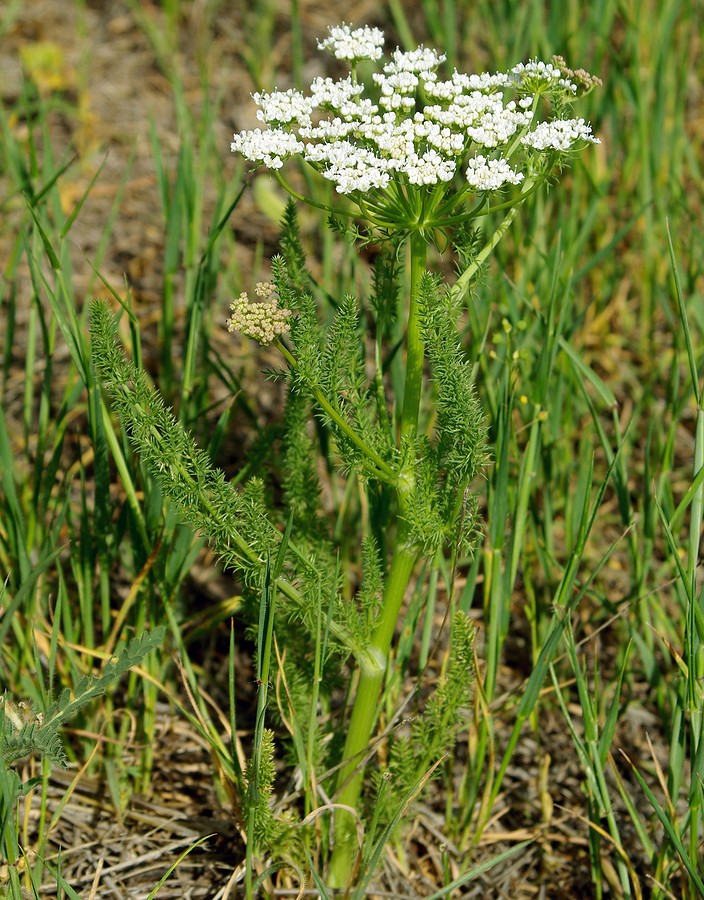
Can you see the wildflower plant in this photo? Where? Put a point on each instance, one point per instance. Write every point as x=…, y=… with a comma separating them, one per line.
x=416, y=160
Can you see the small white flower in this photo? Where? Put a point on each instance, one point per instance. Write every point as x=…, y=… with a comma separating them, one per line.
x=394, y=142
x=559, y=135
x=353, y=44
x=328, y=130
x=447, y=141
x=422, y=60
x=460, y=84
x=491, y=174
x=428, y=169
x=536, y=68
x=340, y=96
x=283, y=107
x=482, y=117
x=397, y=101
x=350, y=167
x=534, y=73
x=493, y=130
x=400, y=83
x=270, y=147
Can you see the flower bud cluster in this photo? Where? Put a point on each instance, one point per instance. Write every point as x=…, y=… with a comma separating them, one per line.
x=262, y=320
x=417, y=130
x=582, y=79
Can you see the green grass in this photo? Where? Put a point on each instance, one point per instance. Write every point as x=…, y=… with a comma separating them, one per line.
x=586, y=337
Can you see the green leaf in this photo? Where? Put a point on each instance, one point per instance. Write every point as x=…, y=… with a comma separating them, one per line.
x=666, y=823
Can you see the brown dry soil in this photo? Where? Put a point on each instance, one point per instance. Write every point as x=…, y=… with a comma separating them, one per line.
x=113, y=88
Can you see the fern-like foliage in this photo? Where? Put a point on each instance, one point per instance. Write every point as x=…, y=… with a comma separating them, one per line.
x=467, y=242
x=300, y=480
x=335, y=368
x=359, y=612
x=446, y=710
x=344, y=382
x=330, y=364
x=372, y=586
x=30, y=738
x=27, y=731
x=441, y=507
x=292, y=251
x=461, y=427
x=428, y=510
x=235, y=522
x=294, y=714
x=385, y=287
x=306, y=332
x=434, y=731
x=270, y=833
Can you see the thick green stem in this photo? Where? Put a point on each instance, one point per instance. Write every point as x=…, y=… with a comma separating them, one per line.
x=373, y=669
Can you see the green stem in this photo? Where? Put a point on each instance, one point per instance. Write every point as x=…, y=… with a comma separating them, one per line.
x=373, y=669
x=381, y=469
x=462, y=283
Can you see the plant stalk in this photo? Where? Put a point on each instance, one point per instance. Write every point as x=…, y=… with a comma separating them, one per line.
x=373, y=669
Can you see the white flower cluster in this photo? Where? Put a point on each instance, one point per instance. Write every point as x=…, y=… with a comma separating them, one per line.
x=490, y=174
x=417, y=130
x=423, y=60
x=536, y=73
x=561, y=134
x=362, y=43
x=262, y=320
x=283, y=107
x=352, y=168
x=269, y=147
